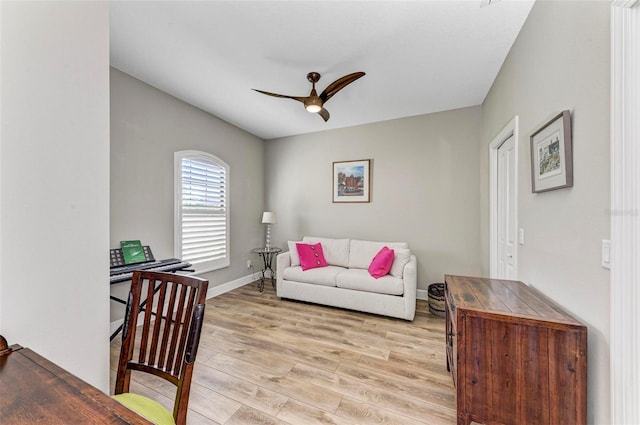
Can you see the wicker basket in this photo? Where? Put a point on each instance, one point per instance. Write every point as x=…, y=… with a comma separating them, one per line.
x=436, y=299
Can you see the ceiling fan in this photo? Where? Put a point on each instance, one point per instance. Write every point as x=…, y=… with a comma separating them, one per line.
x=313, y=102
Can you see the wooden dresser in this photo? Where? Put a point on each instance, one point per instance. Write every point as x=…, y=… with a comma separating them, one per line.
x=515, y=356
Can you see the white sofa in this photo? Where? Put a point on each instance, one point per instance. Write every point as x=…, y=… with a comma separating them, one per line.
x=346, y=282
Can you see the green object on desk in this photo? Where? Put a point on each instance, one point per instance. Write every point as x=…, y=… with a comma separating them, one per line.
x=132, y=252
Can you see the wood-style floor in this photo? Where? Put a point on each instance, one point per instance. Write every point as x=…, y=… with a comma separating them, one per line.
x=266, y=361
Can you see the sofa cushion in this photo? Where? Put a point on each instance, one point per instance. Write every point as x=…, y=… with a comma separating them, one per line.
x=401, y=258
x=293, y=253
x=361, y=253
x=360, y=280
x=325, y=276
x=336, y=251
x=311, y=255
x=381, y=263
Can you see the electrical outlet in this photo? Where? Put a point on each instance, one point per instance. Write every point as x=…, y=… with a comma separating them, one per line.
x=248, y=264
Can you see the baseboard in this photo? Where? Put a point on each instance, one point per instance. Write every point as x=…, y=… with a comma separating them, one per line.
x=114, y=325
x=230, y=286
x=211, y=293
x=422, y=294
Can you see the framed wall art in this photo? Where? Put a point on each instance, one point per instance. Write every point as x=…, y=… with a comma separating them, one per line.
x=551, y=155
x=352, y=181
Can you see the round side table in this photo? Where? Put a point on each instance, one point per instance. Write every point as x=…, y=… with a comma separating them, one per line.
x=267, y=255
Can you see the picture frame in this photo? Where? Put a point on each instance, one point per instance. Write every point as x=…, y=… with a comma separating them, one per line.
x=552, y=155
x=352, y=181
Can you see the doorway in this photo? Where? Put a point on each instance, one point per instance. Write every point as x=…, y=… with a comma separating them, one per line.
x=503, y=162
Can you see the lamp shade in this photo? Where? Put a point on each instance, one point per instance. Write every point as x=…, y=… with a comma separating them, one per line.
x=269, y=217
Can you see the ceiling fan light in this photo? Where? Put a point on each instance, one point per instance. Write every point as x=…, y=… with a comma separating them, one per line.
x=313, y=108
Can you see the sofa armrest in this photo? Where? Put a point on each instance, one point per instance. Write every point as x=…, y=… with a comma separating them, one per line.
x=410, y=276
x=410, y=282
x=283, y=260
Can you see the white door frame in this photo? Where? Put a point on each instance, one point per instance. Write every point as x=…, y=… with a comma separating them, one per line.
x=625, y=214
x=511, y=129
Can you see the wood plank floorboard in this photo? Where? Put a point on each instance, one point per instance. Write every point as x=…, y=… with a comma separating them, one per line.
x=266, y=361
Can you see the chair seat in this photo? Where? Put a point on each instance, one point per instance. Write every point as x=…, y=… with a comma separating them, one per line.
x=150, y=409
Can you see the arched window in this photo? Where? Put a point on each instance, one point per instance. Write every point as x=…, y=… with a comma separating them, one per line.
x=201, y=227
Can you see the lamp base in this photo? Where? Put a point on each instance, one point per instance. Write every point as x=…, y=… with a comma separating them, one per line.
x=268, y=241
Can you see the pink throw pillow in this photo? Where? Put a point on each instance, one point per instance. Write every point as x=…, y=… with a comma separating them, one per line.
x=311, y=255
x=382, y=262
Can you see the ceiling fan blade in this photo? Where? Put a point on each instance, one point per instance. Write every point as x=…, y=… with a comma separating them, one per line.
x=339, y=84
x=324, y=114
x=298, y=98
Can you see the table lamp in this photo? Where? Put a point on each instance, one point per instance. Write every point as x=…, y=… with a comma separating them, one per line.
x=269, y=218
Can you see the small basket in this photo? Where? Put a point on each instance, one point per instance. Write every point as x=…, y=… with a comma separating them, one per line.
x=436, y=299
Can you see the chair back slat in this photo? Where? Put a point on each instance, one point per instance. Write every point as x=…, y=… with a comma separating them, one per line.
x=172, y=312
x=174, y=350
x=167, y=328
x=146, y=323
x=157, y=320
x=127, y=315
x=184, y=333
x=163, y=325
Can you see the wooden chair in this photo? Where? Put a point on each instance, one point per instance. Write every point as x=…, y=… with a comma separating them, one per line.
x=172, y=314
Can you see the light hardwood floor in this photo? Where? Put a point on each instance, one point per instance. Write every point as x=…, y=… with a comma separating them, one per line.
x=271, y=362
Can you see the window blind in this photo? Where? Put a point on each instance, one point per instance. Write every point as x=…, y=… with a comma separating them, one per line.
x=203, y=212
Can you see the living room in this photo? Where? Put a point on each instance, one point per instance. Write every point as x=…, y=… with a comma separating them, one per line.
x=430, y=184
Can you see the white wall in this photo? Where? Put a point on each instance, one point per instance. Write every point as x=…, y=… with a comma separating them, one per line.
x=54, y=182
x=424, y=188
x=147, y=127
x=560, y=61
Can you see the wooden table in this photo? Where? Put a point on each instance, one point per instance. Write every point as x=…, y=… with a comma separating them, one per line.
x=35, y=390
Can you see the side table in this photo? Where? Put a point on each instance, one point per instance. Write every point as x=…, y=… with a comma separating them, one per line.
x=267, y=255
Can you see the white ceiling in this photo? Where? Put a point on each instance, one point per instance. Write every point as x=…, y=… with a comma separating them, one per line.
x=419, y=56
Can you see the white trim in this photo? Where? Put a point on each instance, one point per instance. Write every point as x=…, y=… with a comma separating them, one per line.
x=230, y=286
x=114, y=325
x=625, y=212
x=422, y=294
x=511, y=129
